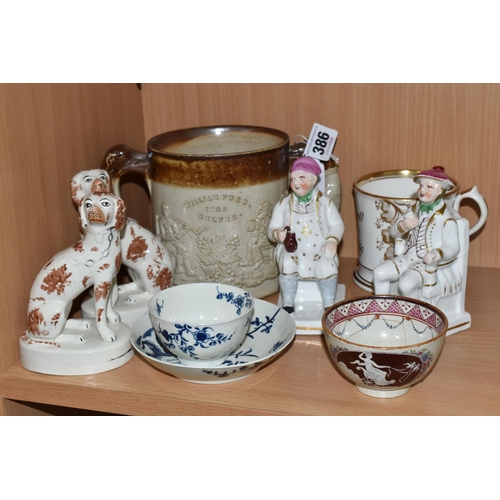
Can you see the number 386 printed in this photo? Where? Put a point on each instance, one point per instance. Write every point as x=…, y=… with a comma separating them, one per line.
x=321, y=142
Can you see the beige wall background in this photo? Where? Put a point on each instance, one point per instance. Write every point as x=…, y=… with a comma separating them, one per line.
x=49, y=132
x=381, y=127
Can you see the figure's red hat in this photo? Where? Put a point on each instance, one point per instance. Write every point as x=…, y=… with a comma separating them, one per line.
x=306, y=164
x=438, y=174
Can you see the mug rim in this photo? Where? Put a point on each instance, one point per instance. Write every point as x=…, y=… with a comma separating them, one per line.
x=403, y=173
x=175, y=136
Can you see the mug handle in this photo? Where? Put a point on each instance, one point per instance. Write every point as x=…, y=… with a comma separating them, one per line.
x=483, y=207
x=121, y=159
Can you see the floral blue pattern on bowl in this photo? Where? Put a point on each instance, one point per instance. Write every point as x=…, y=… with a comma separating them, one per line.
x=201, y=322
x=271, y=331
x=187, y=337
x=239, y=301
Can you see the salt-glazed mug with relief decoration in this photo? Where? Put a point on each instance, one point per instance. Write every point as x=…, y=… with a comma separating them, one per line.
x=212, y=194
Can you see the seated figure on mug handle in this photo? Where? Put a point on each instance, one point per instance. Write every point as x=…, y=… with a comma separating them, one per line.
x=431, y=249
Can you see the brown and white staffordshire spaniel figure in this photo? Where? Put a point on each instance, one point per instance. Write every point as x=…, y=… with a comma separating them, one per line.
x=147, y=260
x=94, y=260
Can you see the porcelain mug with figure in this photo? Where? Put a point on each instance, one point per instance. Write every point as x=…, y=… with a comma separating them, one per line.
x=380, y=198
x=212, y=194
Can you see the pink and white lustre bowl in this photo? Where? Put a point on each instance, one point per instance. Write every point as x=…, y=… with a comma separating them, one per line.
x=384, y=344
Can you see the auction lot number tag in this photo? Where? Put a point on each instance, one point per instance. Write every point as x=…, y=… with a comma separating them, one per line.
x=321, y=142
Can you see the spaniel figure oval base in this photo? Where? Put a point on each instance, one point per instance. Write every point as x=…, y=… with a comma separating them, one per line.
x=80, y=350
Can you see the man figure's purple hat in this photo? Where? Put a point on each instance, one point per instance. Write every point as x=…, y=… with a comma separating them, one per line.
x=306, y=164
x=436, y=173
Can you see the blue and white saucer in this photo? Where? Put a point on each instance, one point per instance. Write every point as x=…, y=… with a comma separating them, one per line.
x=271, y=331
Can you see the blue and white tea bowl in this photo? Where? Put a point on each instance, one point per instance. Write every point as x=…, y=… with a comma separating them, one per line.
x=271, y=331
x=384, y=344
x=201, y=322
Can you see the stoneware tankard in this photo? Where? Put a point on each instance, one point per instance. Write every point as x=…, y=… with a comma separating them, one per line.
x=212, y=194
x=380, y=198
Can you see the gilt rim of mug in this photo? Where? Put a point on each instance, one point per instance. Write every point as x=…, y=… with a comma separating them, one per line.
x=364, y=179
x=176, y=137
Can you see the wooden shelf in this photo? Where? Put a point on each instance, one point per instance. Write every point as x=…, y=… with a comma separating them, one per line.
x=302, y=381
x=49, y=132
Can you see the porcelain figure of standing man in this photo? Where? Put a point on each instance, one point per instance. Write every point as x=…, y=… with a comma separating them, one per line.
x=308, y=229
x=431, y=234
